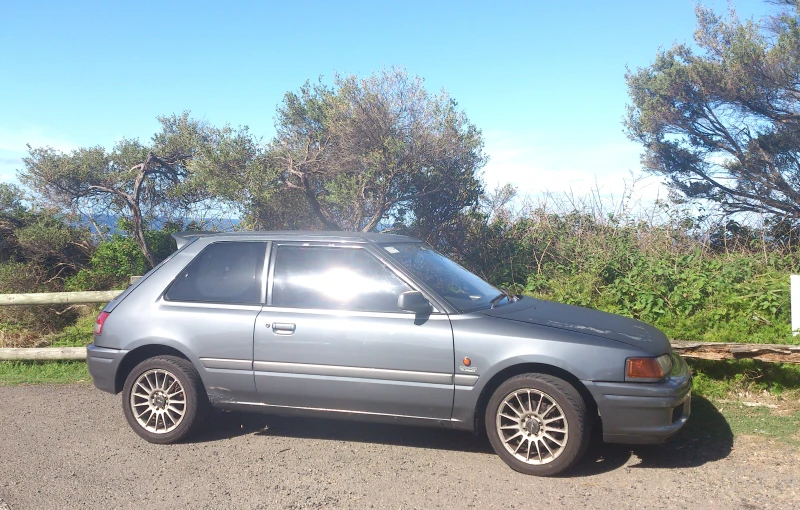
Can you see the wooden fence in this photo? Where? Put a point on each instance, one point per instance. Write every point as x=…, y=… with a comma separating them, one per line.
x=701, y=350
x=52, y=298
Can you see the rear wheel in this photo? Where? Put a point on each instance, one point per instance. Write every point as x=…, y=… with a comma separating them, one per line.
x=164, y=400
x=538, y=424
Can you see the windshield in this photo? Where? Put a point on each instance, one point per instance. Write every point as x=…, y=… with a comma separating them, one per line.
x=462, y=289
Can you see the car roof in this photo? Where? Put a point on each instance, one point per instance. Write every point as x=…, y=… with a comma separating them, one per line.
x=296, y=235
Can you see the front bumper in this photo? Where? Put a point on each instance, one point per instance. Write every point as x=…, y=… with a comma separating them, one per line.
x=642, y=413
x=103, y=364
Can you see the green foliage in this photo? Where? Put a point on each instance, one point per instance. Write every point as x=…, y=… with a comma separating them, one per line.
x=38, y=249
x=723, y=124
x=725, y=297
x=11, y=197
x=117, y=259
x=79, y=334
x=722, y=379
x=139, y=182
x=380, y=150
x=694, y=285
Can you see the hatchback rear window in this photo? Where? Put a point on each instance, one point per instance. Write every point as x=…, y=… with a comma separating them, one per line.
x=224, y=272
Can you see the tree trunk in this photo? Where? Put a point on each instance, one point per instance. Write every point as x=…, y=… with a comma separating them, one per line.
x=138, y=235
x=316, y=208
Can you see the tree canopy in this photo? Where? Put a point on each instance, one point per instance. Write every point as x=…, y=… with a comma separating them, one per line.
x=723, y=123
x=355, y=155
x=134, y=181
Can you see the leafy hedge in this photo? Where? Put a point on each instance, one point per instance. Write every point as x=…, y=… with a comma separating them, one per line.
x=726, y=284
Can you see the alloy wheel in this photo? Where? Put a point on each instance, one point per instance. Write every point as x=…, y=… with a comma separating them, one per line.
x=158, y=401
x=532, y=426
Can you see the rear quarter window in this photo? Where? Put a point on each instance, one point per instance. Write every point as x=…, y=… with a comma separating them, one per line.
x=224, y=272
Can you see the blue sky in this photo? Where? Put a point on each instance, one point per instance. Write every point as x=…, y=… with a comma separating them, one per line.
x=543, y=80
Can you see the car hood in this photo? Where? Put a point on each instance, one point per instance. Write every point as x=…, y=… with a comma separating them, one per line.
x=585, y=320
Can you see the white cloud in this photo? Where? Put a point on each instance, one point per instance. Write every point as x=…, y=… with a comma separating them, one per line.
x=15, y=140
x=538, y=164
x=13, y=147
x=8, y=169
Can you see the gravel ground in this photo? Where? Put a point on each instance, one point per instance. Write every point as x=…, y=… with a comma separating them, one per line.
x=70, y=447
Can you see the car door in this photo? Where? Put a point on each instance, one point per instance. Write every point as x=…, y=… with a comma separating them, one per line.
x=332, y=337
x=211, y=306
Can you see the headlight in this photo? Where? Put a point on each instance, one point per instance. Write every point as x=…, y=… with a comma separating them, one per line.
x=648, y=369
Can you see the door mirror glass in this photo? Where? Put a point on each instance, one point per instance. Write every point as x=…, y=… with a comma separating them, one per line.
x=414, y=301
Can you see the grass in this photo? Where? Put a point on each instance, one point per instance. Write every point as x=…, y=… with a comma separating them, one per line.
x=783, y=427
x=754, y=398
x=727, y=379
x=46, y=372
x=77, y=335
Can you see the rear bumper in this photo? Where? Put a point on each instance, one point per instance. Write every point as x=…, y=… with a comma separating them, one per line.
x=641, y=413
x=103, y=364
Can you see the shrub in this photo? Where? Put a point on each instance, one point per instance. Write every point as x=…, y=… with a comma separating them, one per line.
x=20, y=325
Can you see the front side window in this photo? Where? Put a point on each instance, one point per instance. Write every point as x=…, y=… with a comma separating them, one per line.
x=224, y=272
x=464, y=290
x=331, y=278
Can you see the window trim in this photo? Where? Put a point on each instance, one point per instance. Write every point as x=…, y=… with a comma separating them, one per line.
x=166, y=290
x=400, y=276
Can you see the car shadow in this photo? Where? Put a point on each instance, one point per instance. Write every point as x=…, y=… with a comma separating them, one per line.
x=707, y=437
x=225, y=425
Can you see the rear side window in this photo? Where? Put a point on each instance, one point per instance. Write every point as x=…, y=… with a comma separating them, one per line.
x=334, y=279
x=225, y=272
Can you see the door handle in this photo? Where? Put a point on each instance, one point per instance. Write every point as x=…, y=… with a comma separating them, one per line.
x=283, y=328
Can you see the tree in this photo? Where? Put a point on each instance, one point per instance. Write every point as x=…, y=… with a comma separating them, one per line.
x=351, y=156
x=136, y=182
x=724, y=124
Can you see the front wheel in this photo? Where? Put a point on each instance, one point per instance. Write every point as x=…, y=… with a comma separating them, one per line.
x=538, y=424
x=164, y=400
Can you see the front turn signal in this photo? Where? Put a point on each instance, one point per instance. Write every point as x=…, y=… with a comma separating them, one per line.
x=648, y=369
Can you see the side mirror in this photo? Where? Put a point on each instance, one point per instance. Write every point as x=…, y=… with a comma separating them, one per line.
x=414, y=301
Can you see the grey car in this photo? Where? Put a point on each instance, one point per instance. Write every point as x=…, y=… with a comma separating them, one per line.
x=378, y=327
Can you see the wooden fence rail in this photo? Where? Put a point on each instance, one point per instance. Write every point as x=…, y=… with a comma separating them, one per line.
x=700, y=350
x=60, y=298
x=42, y=353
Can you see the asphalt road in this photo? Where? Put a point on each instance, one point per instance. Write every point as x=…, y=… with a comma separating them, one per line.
x=70, y=447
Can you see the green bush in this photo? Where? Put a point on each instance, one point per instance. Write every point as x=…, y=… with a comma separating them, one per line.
x=117, y=259
x=19, y=325
x=722, y=283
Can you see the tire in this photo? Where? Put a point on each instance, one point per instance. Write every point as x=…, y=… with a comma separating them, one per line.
x=169, y=403
x=538, y=424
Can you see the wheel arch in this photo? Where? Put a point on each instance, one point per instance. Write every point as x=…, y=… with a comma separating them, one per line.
x=528, y=368
x=139, y=354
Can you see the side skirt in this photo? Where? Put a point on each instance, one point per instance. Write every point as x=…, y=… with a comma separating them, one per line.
x=339, y=414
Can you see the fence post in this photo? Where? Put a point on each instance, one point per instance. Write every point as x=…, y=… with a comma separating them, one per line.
x=795, y=300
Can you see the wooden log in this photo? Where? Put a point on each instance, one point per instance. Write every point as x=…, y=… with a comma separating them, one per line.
x=60, y=298
x=43, y=353
x=772, y=353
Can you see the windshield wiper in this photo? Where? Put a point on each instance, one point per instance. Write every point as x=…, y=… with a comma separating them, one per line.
x=498, y=298
x=503, y=294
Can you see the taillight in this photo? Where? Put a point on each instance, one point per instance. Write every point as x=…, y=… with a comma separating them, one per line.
x=98, y=324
